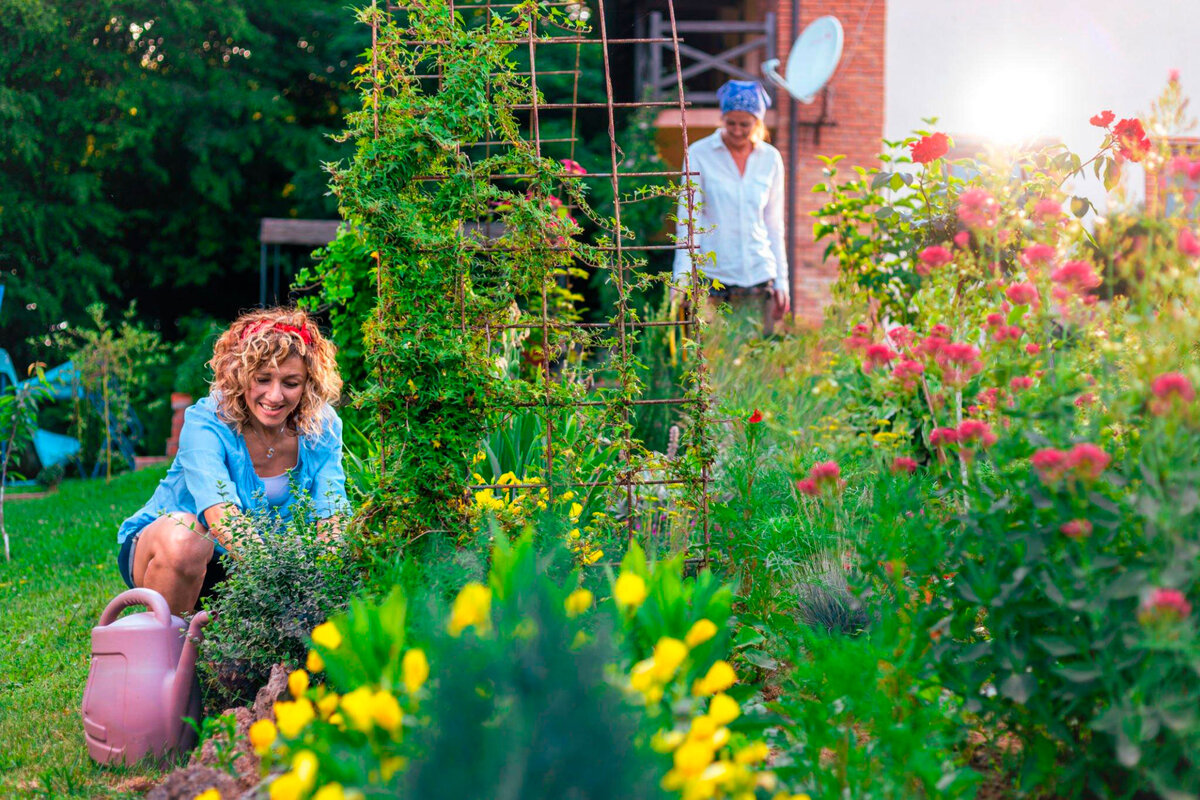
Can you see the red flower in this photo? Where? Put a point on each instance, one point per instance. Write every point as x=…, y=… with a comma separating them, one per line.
x=822, y=476
x=1087, y=461
x=971, y=431
x=1050, y=464
x=1076, y=276
x=962, y=238
x=933, y=257
x=906, y=371
x=1076, y=529
x=1022, y=294
x=1037, y=254
x=978, y=209
x=572, y=167
x=1172, y=76
x=808, y=487
x=940, y=437
x=959, y=362
x=756, y=417
x=995, y=319
x=1006, y=332
x=878, y=355
x=1187, y=242
x=1132, y=142
x=901, y=335
x=1033, y=348
x=1169, y=388
x=1020, y=383
x=1085, y=399
x=1103, y=119
x=904, y=464
x=1047, y=210
x=855, y=343
x=939, y=330
x=1169, y=603
x=928, y=148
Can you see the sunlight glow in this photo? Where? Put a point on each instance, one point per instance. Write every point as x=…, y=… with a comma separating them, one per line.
x=1014, y=103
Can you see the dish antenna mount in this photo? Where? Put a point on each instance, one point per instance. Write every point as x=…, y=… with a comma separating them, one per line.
x=812, y=60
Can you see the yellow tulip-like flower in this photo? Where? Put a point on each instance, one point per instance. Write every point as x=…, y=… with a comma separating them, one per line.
x=752, y=753
x=702, y=729
x=358, y=708
x=326, y=634
x=298, y=683
x=700, y=633
x=720, y=676
x=576, y=510
x=286, y=787
x=416, y=669
x=578, y=602
x=630, y=590
x=668, y=655
x=305, y=765
x=692, y=758
x=208, y=794
x=592, y=556
x=723, y=709
x=330, y=791
x=385, y=710
x=328, y=704
x=642, y=675
x=666, y=741
x=473, y=606
x=292, y=718
x=314, y=662
x=262, y=735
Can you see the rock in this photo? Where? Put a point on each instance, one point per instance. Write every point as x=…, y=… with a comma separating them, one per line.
x=276, y=688
x=186, y=783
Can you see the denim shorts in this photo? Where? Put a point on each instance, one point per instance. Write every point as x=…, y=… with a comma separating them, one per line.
x=214, y=574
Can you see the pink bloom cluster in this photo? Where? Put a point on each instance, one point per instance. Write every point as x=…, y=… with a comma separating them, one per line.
x=1187, y=242
x=1076, y=529
x=904, y=464
x=1165, y=604
x=931, y=258
x=978, y=210
x=822, y=476
x=1084, y=462
x=959, y=362
x=969, y=435
x=1170, y=390
x=1038, y=255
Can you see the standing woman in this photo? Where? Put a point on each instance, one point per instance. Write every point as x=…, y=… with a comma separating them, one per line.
x=741, y=188
x=266, y=428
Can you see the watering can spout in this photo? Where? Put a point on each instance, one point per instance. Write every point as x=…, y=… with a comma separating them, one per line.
x=181, y=691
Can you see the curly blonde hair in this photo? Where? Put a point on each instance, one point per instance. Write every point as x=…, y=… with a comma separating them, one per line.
x=268, y=338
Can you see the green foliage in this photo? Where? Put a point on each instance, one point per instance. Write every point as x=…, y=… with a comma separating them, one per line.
x=283, y=580
x=18, y=421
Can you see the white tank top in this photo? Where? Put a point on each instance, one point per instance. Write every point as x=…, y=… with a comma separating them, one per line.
x=276, y=489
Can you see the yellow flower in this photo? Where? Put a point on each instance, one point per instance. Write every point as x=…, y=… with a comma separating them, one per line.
x=304, y=765
x=390, y=766
x=473, y=606
x=593, y=556
x=666, y=741
x=262, y=735
x=416, y=669
x=723, y=709
x=703, y=728
x=208, y=794
x=286, y=787
x=701, y=632
x=691, y=758
x=292, y=718
x=752, y=753
x=720, y=677
x=630, y=590
x=326, y=634
x=642, y=676
x=314, y=662
x=358, y=707
x=298, y=683
x=328, y=704
x=578, y=602
x=576, y=510
x=668, y=655
x=385, y=710
x=330, y=791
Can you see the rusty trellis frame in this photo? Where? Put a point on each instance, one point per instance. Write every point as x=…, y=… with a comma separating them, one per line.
x=623, y=325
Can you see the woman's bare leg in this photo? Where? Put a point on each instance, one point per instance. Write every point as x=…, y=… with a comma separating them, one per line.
x=171, y=558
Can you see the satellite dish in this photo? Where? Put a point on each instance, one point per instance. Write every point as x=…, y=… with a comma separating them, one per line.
x=812, y=60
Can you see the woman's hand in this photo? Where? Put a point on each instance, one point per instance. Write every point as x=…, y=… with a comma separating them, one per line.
x=781, y=303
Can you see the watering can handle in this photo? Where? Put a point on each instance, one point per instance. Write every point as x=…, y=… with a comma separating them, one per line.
x=137, y=597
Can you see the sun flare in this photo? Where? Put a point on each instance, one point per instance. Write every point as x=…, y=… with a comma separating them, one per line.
x=1012, y=104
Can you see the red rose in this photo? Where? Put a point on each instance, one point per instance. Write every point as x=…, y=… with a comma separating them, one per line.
x=1103, y=119
x=756, y=417
x=928, y=148
x=1132, y=142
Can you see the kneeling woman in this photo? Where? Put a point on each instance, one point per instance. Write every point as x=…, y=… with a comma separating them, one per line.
x=267, y=427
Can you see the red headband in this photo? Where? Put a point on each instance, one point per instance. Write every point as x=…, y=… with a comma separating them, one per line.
x=278, y=326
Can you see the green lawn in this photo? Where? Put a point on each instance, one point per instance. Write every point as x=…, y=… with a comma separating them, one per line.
x=63, y=572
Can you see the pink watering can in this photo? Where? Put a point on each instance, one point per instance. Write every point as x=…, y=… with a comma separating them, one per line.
x=142, y=682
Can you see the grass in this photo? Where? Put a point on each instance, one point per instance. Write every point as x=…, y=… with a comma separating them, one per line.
x=63, y=572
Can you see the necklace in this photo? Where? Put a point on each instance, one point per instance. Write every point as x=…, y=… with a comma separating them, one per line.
x=270, y=447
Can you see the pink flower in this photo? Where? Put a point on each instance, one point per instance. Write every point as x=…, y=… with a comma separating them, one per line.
x=962, y=238
x=1164, y=605
x=933, y=257
x=972, y=431
x=822, y=476
x=1050, y=464
x=1020, y=383
x=1033, y=348
x=1187, y=242
x=878, y=355
x=939, y=330
x=901, y=335
x=1103, y=119
x=929, y=148
x=1047, y=210
x=906, y=372
x=1087, y=461
x=1172, y=76
x=959, y=362
x=572, y=167
x=995, y=320
x=978, y=209
x=989, y=397
x=1037, y=254
x=756, y=417
x=904, y=464
x=808, y=486
x=941, y=437
x=1169, y=389
x=1022, y=294
x=1085, y=399
x=1076, y=276
x=854, y=344
x=1076, y=529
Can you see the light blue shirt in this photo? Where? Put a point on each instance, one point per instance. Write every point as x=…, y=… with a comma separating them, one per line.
x=213, y=467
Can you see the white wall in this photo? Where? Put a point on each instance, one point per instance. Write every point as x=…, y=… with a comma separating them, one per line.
x=1023, y=69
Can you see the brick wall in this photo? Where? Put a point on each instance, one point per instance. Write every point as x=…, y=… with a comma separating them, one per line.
x=857, y=106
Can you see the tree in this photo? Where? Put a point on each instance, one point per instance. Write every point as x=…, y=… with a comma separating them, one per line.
x=140, y=142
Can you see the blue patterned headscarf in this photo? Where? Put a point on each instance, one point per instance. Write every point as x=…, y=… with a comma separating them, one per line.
x=744, y=96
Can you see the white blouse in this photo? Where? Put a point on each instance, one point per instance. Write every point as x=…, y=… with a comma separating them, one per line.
x=742, y=215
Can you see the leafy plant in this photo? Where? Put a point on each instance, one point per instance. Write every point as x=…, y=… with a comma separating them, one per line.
x=18, y=421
